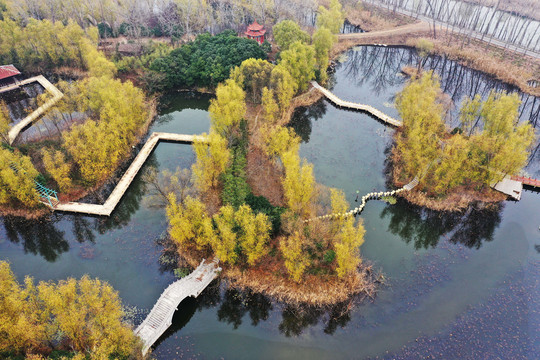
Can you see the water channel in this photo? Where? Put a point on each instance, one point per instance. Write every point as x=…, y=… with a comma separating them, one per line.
x=459, y=286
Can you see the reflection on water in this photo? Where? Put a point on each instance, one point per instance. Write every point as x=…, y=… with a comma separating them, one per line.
x=22, y=101
x=376, y=67
x=424, y=227
x=237, y=303
x=304, y=116
x=38, y=237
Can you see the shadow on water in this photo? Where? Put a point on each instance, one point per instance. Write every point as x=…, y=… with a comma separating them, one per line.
x=237, y=303
x=171, y=103
x=303, y=116
x=233, y=305
x=424, y=227
x=349, y=28
x=39, y=237
x=42, y=236
x=295, y=319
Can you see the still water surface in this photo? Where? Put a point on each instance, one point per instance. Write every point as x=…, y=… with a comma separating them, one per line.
x=459, y=286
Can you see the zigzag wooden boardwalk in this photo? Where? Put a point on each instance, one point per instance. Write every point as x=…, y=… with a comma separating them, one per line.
x=354, y=106
x=122, y=186
x=57, y=95
x=160, y=318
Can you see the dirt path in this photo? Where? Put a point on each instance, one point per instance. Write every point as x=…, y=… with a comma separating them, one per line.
x=417, y=27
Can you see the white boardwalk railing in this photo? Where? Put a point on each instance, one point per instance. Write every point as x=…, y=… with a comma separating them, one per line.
x=57, y=95
x=160, y=318
x=355, y=106
x=110, y=204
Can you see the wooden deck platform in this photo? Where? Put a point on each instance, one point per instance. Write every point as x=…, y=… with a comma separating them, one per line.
x=510, y=187
x=355, y=106
x=122, y=186
x=57, y=95
x=160, y=318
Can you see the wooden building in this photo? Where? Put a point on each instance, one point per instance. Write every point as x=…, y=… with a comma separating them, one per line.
x=256, y=32
x=8, y=75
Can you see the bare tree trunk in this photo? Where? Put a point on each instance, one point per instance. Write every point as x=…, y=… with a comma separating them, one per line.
x=433, y=17
x=491, y=19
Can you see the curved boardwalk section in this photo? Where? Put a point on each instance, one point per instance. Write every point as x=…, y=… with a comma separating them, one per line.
x=355, y=106
x=122, y=186
x=160, y=318
x=57, y=95
x=365, y=198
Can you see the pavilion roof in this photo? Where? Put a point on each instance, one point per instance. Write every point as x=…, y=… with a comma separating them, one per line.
x=255, y=26
x=7, y=71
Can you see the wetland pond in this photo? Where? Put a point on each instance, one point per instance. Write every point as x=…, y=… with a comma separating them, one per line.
x=458, y=286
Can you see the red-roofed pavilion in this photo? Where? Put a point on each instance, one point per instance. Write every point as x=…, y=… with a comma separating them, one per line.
x=256, y=32
x=8, y=74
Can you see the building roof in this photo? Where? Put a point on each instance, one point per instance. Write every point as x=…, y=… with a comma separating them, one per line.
x=7, y=71
x=255, y=30
x=255, y=33
x=255, y=26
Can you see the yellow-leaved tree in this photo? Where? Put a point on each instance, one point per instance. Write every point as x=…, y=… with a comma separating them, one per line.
x=419, y=142
x=347, y=238
x=284, y=86
x=189, y=225
x=270, y=106
x=503, y=143
x=20, y=326
x=99, y=144
x=17, y=174
x=331, y=18
x=228, y=108
x=212, y=159
x=85, y=315
x=293, y=251
x=5, y=120
x=299, y=60
x=254, y=232
x=56, y=165
x=323, y=40
x=224, y=244
x=287, y=32
x=88, y=314
x=298, y=183
x=252, y=75
x=279, y=140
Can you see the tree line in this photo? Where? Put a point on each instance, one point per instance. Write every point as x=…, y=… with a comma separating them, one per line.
x=172, y=18
x=77, y=319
